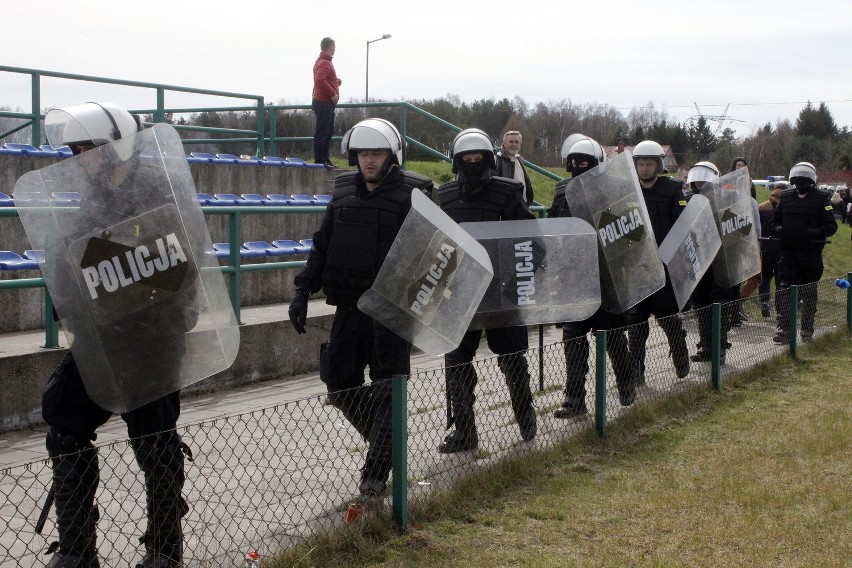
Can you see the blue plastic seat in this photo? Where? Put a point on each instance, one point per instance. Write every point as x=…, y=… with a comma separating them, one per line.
x=226, y=159
x=67, y=198
x=255, y=248
x=13, y=261
x=302, y=200
x=29, y=149
x=51, y=151
x=200, y=158
x=279, y=199
x=222, y=250
x=305, y=246
x=312, y=165
x=274, y=161
x=34, y=254
x=206, y=199
x=256, y=199
x=6, y=201
x=231, y=199
x=284, y=247
x=250, y=160
x=29, y=197
x=214, y=200
x=322, y=199
x=10, y=152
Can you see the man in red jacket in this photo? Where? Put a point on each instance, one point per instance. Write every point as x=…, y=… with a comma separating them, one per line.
x=325, y=96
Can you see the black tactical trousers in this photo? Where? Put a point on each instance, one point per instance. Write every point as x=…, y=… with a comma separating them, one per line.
x=509, y=344
x=705, y=295
x=576, y=345
x=662, y=304
x=73, y=419
x=798, y=268
x=355, y=343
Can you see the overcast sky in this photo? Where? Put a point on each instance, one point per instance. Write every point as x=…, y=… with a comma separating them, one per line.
x=764, y=57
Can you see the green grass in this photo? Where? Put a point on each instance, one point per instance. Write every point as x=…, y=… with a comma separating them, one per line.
x=757, y=475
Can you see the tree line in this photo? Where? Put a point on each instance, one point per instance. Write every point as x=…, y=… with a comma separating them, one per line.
x=813, y=136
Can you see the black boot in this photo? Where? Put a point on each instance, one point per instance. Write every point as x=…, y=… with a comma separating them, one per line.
x=161, y=459
x=75, y=481
x=516, y=371
x=576, y=347
x=461, y=382
x=637, y=338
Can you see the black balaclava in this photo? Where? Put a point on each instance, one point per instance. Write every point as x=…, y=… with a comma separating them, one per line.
x=803, y=184
x=473, y=174
x=577, y=170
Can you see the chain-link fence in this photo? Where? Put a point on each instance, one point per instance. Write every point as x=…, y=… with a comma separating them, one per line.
x=268, y=478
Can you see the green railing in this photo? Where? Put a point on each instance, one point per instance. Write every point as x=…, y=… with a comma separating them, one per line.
x=265, y=135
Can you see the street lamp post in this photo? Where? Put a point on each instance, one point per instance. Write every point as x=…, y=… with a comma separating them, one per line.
x=367, y=82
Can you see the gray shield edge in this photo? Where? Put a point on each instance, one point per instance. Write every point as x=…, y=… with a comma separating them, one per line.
x=630, y=271
x=431, y=282
x=129, y=353
x=545, y=271
x=690, y=247
x=739, y=257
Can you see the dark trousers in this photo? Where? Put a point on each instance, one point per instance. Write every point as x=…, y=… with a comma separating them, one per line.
x=576, y=345
x=662, y=304
x=769, y=263
x=324, y=131
x=73, y=419
x=798, y=268
x=705, y=295
x=509, y=344
x=356, y=342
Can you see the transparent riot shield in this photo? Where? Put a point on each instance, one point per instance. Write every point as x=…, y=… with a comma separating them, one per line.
x=739, y=258
x=431, y=282
x=690, y=247
x=609, y=198
x=545, y=271
x=143, y=305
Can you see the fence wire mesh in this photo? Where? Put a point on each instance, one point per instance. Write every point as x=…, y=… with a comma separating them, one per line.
x=265, y=479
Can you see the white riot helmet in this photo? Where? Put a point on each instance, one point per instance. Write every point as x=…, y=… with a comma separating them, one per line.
x=584, y=150
x=471, y=140
x=702, y=172
x=92, y=124
x=569, y=142
x=803, y=170
x=651, y=150
x=372, y=134
x=587, y=148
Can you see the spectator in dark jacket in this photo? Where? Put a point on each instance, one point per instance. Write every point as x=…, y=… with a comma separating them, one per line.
x=510, y=164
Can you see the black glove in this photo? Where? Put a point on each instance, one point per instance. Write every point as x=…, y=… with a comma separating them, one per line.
x=299, y=310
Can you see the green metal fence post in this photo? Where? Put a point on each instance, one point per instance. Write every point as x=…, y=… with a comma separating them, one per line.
x=273, y=133
x=849, y=302
x=51, y=327
x=716, y=346
x=261, y=127
x=600, y=382
x=160, y=113
x=403, y=128
x=794, y=317
x=541, y=357
x=234, y=231
x=36, y=103
x=400, y=449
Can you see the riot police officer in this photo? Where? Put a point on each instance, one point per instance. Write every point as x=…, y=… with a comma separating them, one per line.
x=803, y=220
x=361, y=223
x=708, y=292
x=151, y=340
x=478, y=195
x=665, y=201
x=581, y=155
